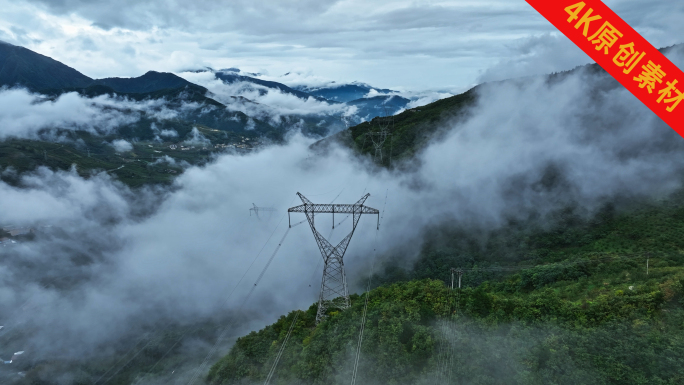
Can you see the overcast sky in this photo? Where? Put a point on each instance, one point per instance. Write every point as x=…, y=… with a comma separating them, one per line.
x=414, y=45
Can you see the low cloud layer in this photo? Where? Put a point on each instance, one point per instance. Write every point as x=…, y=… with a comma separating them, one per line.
x=33, y=116
x=537, y=55
x=121, y=145
x=25, y=115
x=265, y=103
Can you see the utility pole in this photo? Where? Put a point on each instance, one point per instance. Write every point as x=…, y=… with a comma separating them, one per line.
x=334, y=293
x=459, y=273
x=648, y=256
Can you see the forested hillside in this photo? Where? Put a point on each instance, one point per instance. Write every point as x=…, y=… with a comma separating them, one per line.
x=575, y=305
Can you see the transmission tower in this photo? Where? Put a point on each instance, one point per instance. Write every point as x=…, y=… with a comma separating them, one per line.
x=334, y=293
x=263, y=209
x=378, y=138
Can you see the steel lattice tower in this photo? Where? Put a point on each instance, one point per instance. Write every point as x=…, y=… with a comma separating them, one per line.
x=256, y=210
x=378, y=138
x=334, y=293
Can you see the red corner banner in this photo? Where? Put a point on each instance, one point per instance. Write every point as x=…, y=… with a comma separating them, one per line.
x=622, y=52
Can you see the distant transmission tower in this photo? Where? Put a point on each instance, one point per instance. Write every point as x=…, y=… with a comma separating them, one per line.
x=257, y=209
x=334, y=293
x=385, y=125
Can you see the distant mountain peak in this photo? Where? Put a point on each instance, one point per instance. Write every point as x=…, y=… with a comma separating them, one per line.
x=149, y=82
x=5, y=43
x=198, y=70
x=236, y=71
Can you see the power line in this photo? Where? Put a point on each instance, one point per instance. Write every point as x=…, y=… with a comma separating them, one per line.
x=216, y=344
x=527, y=267
x=287, y=338
x=121, y=359
x=233, y=290
x=127, y=362
x=215, y=347
x=365, y=304
x=282, y=348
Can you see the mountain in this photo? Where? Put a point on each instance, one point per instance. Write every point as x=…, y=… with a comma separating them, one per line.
x=343, y=92
x=232, y=75
x=565, y=298
x=382, y=105
x=182, y=112
x=149, y=82
x=574, y=314
x=416, y=127
x=21, y=66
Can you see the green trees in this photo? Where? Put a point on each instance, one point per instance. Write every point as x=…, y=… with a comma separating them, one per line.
x=553, y=334
x=578, y=308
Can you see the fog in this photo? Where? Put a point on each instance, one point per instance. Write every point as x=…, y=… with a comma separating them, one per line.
x=262, y=102
x=33, y=116
x=109, y=262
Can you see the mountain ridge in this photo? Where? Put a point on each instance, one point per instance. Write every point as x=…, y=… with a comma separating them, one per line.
x=20, y=66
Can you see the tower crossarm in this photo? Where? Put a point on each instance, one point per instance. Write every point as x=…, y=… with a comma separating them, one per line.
x=333, y=208
x=334, y=291
x=356, y=209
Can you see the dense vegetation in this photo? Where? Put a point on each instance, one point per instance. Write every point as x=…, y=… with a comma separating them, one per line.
x=575, y=306
x=411, y=130
x=91, y=154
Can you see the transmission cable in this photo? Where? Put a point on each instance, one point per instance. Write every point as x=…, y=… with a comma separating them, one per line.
x=121, y=359
x=263, y=271
x=294, y=321
x=365, y=305
x=563, y=263
x=127, y=362
x=231, y=292
x=282, y=348
x=215, y=347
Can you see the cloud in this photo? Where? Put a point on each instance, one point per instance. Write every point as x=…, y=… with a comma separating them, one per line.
x=167, y=160
x=26, y=115
x=295, y=78
x=34, y=116
x=264, y=103
x=537, y=55
x=197, y=138
x=168, y=133
x=121, y=145
x=423, y=98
